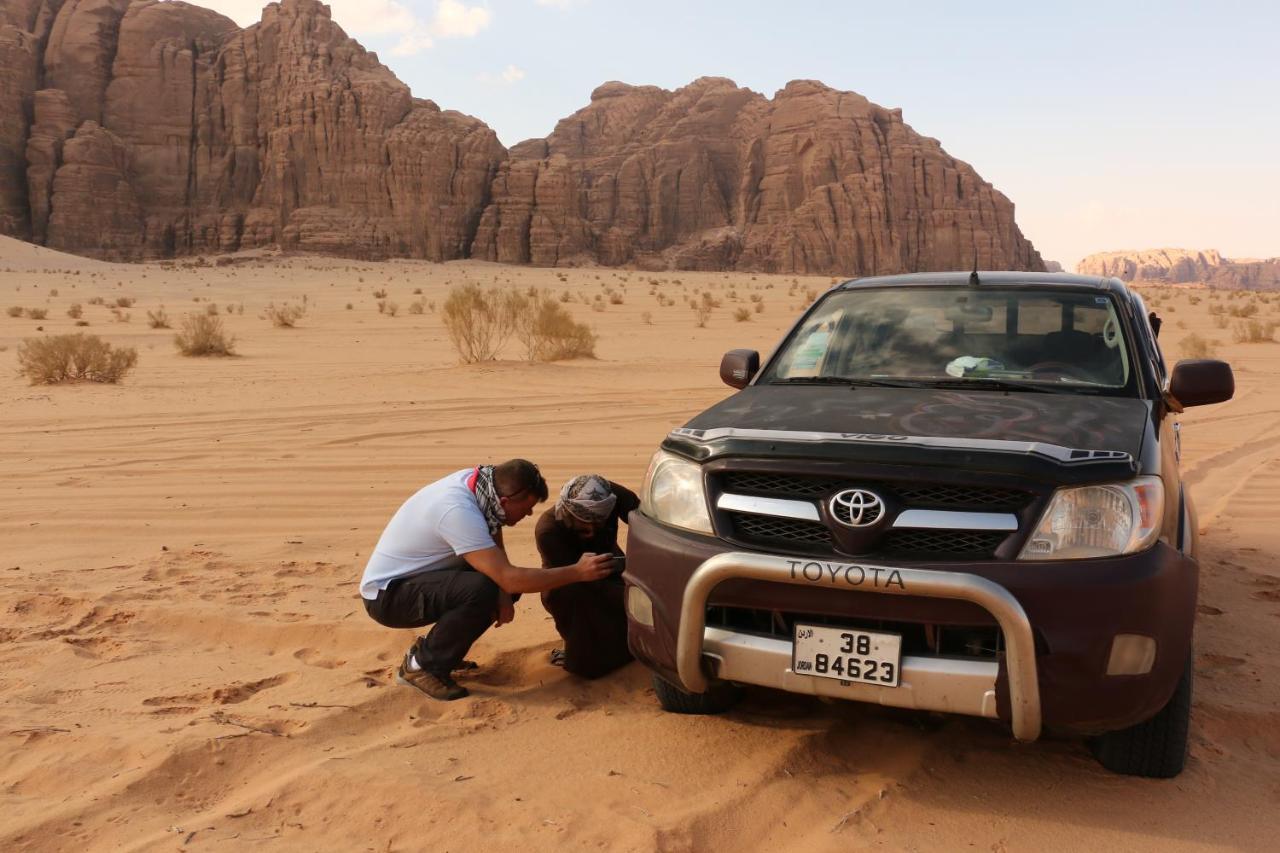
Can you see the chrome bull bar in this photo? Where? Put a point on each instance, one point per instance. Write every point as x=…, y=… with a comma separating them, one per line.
x=1020, y=652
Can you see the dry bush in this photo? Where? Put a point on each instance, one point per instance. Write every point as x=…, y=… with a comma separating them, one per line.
x=285, y=316
x=379, y=294
x=54, y=292
x=211, y=308
x=202, y=334
x=417, y=291
x=646, y=318
x=480, y=321
x=1243, y=310
x=1194, y=346
x=82, y=322
x=742, y=315
x=416, y=307
x=759, y=307
x=158, y=319
x=549, y=332
x=615, y=298
x=97, y=300
x=16, y=311
x=121, y=316
x=124, y=302
x=75, y=312
x=701, y=313
x=74, y=358
x=382, y=306
x=37, y=313
x=598, y=307
x=350, y=306
x=392, y=309
x=1254, y=332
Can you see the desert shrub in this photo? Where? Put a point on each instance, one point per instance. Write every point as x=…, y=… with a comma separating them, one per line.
x=416, y=307
x=96, y=300
x=1254, y=332
x=158, y=319
x=37, y=313
x=82, y=322
x=16, y=311
x=615, y=298
x=75, y=312
x=284, y=316
x=202, y=334
x=566, y=296
x=1247, y=310
x=392, y=309
x=742, y=315
x=480, y=321
x=350, y=307
x=759, y=307
x=598, y=307
x=121, y=316
x=74, y=358
x=549, y=332
x=382, y=306
x=53, y=292
x=701, y=313
x=379, y=294
x=810, y=294
x=124, y=302
x=647, y=318
x=417, y=291
x=1194, y=346
x=211, y=308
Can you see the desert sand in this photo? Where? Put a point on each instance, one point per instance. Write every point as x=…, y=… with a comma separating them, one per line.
x=185, y=663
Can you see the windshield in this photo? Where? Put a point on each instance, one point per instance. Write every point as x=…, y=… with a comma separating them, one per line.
x=1034, y=338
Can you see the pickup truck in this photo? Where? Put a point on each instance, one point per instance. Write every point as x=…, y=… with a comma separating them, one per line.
x=951, y=492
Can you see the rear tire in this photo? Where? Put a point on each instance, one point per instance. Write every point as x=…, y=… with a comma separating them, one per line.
x=1157, y=748
x=721, y=697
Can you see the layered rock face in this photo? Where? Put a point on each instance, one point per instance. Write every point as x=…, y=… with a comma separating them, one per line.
x=1184, y=266
x=163, y=129
x=137, y=129
x=713, y=176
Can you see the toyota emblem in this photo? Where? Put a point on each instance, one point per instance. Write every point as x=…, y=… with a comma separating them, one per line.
x=857, y=508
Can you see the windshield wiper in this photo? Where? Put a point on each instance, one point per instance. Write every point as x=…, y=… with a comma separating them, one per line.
x=843, y=380
x=984, y=383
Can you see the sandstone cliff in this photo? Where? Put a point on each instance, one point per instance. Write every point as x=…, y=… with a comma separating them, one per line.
x=138, y=129
x=162, y=129
x=1184, y=266
x=713, y=176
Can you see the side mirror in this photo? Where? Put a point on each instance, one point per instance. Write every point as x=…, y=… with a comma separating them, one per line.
x=1201, y=382
x=739, y=367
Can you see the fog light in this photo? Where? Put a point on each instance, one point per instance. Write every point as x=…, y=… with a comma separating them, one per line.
x=640, y=606
x=1131, y=654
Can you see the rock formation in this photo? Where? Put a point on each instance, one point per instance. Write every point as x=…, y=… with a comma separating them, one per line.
x=1184, y=266
x=713, y=176
x=163, y=129
x=137, y=129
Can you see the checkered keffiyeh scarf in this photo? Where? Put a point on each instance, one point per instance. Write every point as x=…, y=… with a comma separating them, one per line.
x=587, y=498
x=487, y=498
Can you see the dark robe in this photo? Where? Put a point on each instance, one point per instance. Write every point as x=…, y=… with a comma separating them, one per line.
x=589, y=616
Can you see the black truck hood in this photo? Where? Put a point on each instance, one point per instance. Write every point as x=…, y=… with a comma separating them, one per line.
x=1088, y=428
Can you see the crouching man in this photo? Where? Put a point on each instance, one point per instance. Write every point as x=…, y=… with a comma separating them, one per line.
x=441, y=562
x=589, y=615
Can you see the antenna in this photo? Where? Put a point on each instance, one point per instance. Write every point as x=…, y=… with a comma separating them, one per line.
x=973, y=276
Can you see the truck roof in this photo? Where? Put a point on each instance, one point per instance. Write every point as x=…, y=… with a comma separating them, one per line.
x=994, y=277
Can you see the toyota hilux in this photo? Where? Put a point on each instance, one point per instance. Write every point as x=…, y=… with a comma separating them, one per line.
x=951, y=492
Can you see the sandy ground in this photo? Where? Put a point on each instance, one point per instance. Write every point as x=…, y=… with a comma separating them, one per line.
x=184, y=661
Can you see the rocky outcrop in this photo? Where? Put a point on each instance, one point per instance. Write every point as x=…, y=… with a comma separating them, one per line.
x=1184, y=266
x=161, y=129
x=713, y=176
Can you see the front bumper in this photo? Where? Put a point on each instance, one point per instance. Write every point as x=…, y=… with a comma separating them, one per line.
x=1058, y=621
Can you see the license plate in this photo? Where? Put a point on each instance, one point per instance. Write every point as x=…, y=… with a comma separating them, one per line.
x=847, y=655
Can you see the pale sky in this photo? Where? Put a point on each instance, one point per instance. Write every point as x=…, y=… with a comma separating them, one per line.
x=1111, y=125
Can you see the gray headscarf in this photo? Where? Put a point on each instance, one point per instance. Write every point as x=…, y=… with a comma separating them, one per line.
x=588, y=498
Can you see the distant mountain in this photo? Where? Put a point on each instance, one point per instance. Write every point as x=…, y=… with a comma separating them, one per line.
x=148, y=129
x=1184, y=266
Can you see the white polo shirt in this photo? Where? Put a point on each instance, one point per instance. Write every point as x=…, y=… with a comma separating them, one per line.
x=431, y=530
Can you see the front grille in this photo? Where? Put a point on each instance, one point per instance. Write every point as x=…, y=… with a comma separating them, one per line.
x=980, y=642
x=909, y=495
x=942, y=544
x=942, y=495
x=757, y=483
x=773, y=529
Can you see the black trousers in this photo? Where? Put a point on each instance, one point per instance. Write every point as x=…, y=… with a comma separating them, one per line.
x=592, y=620
x=460, y=604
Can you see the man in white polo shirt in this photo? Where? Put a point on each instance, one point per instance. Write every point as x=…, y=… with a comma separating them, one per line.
x=441, y=562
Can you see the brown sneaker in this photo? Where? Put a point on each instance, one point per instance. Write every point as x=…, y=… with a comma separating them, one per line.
x=440, y=687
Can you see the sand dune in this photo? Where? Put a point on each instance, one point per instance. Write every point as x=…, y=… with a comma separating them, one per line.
x=184, y=661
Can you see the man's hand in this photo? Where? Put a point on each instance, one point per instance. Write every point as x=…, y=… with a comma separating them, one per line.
x=506, y=610
x=593, y=567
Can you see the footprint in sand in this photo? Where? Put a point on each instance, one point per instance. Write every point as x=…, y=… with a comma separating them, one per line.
x=232, y=694
x=1207, y=610
x=312, y=657
x=1271, y=595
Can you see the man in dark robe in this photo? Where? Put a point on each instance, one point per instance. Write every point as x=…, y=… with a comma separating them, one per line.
x=589, y=615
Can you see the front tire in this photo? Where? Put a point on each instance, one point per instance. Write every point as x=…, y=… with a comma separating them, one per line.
x=1157, y=748
x=721, y=697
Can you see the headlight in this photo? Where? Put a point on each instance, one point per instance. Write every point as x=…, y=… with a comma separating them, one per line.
x=1098, y=521
x=672, y=493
